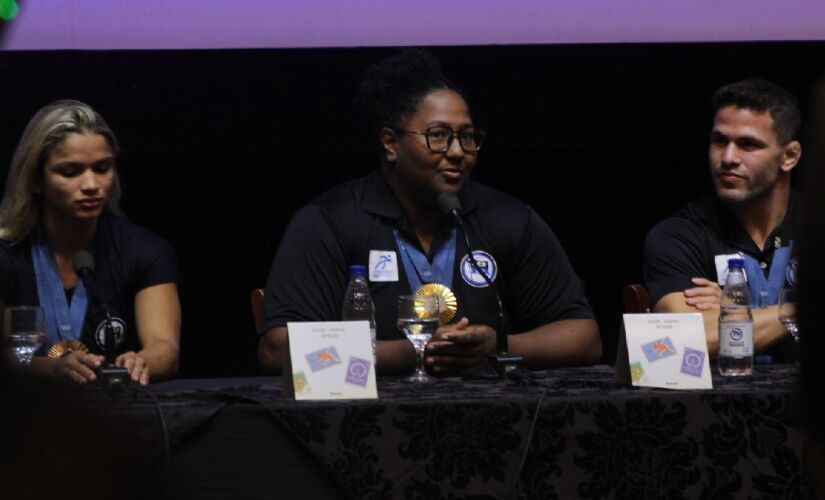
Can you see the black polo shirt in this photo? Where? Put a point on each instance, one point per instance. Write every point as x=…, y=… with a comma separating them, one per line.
x=341, y=227
x=686, y=244
x=128, y=259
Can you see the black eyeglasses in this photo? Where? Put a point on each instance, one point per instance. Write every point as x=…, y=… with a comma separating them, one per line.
x=440, y=138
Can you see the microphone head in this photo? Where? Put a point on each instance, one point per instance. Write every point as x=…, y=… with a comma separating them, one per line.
x=449, y=202
x=83, y=262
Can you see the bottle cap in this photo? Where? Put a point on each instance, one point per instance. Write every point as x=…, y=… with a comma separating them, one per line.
x=736, y=263
x=357, y=270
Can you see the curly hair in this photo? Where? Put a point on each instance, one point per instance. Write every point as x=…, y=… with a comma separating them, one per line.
x=392, y=88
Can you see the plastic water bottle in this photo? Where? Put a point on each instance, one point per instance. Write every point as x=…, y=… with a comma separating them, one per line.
x=735, y=324
x=358, y=304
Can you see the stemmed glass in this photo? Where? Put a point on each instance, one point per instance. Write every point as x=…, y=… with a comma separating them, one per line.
x=418, y=319
x=787, y=311
x=25, y=328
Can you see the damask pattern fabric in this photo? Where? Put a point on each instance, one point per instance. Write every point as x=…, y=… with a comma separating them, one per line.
x=567, y=433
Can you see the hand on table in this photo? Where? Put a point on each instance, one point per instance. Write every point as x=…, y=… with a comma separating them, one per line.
x=705, y=296
x=77, y=366
x=136, y=365
x=458, y=346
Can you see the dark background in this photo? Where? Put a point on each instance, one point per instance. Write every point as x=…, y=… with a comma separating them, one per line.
x=219, y=148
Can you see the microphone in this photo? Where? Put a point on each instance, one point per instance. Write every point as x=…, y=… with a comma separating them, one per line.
x=451, y=205
x=84, y=267
x=502, y=361
x=111, y=376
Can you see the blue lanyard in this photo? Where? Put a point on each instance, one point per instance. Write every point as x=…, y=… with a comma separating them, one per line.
x=419, y=270
x=766, y=292
x=62, y=321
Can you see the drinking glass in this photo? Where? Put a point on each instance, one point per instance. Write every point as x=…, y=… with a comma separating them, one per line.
x=25, y=329
x=418, y=319
x=787, y=311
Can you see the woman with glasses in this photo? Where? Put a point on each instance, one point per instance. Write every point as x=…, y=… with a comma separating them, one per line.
x=62, y=198
x=392, y=222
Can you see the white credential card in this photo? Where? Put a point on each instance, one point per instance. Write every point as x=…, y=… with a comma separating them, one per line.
x=667, y=350
x=332, y=360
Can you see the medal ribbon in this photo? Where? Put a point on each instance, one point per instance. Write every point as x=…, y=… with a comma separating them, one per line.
x=765, y=292
x=419, y=269
x=62, y=320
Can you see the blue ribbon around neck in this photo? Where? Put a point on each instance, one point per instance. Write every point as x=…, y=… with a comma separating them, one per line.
x=765, y=292
x=62, y=321
x=419, y=269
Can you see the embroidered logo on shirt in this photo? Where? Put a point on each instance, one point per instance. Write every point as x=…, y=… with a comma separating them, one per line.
x=119, y=328
x=790, y=272
x=486, y=264
x=383, y=265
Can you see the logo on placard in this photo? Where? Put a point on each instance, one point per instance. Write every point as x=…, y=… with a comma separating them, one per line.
x=637, y=372
x=300, y=383
x=692, y=362
x=323, y=358
x=736, y=334
x=659, y=349
x=119, y=328
x=486, y=264
x=358, y=371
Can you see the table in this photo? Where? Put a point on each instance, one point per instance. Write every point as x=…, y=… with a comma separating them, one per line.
x=566, y=433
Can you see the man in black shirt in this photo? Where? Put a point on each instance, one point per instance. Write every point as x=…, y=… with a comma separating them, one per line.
x=751, y=215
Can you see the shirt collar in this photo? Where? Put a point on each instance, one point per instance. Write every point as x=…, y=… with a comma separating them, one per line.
x=717, y=216
x=378, y=198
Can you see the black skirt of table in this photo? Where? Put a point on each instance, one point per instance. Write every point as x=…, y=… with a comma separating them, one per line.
x=567, y=433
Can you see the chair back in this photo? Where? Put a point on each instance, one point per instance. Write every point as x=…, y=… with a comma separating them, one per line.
x=256, y=299
x=636, y=299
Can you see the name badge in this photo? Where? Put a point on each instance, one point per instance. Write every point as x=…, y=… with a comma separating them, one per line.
x=722, y=266
x=383, y=265
x=330, y=360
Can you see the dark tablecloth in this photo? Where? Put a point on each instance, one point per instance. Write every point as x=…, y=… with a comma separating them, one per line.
x=566, y=433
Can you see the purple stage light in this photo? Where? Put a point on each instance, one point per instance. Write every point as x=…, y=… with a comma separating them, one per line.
x=208, y=24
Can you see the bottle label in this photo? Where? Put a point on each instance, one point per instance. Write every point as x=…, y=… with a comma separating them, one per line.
x=735, y=339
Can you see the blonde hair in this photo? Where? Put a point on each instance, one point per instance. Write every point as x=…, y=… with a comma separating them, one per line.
x=20, y=208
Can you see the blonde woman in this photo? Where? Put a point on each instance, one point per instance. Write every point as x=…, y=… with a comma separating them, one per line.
x=62, y=197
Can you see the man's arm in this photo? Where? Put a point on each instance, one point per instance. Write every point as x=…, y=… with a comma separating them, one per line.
x=560, y=343
x=767, y=330
x=158, y=318
x=394, y=356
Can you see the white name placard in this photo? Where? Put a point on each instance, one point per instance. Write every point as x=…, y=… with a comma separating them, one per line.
x=330, y=360
x=667, y=350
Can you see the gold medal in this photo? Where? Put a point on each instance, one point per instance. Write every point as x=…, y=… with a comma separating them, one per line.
x=447, y=303
x=64, y=347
